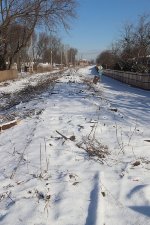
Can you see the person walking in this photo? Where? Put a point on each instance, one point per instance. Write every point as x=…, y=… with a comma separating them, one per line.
x=100, y=71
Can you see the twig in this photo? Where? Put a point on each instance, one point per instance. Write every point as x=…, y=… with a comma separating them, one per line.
x=62, y=135
x=40, y=158
x=47, y=160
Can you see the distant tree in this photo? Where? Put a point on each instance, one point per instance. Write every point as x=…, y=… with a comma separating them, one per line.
x=42, y=45
x=107, y=59
x=92, y=62
x=72, y=52
x=53, y=52
x=48, y=48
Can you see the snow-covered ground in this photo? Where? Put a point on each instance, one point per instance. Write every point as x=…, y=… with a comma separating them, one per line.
x=48, y=174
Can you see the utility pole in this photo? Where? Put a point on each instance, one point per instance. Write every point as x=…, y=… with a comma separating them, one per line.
x=51, y=57
x=51, y=53
x=61, y=55
x=66, y=53
x=71, y=57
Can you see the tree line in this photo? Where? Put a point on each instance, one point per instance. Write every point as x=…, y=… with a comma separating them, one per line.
x=131, y=52
x=20, y=23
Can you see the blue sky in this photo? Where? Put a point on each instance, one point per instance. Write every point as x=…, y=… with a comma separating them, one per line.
x=99, y=23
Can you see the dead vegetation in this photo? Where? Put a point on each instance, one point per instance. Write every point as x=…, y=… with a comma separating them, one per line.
x=90, y=144
x=27, y=93
x=90, y=83
x=95, y=149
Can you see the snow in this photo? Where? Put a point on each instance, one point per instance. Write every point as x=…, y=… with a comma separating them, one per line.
x=48, y=179
x=23, y=81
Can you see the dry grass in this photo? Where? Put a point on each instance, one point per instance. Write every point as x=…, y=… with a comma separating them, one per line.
x=95, y=149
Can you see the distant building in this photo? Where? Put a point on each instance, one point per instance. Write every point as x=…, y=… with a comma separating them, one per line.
x=83, y=62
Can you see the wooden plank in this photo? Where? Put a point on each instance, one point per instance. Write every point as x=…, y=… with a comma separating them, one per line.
x=8, y=125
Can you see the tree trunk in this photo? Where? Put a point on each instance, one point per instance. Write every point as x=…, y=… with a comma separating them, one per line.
x=2, y=63
x=10, y=62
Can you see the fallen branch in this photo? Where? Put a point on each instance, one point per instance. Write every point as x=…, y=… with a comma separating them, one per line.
x=62, y=135
x=72, y=138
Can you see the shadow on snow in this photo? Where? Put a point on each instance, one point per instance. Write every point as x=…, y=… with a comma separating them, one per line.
x=92, y=210
x=133, y=101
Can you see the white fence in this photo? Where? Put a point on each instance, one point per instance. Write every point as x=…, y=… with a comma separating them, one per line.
x=135, y=79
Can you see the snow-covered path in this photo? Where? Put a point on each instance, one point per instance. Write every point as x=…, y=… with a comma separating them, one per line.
x=46, y=175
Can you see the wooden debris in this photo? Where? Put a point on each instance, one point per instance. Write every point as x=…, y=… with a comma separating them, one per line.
x=147, y=140
x=75, y=183
x=103, y=193
x=71, y=176
x=137, y=163
x=8, y=125
x=96, y=79
x=114, y=110
x=72, y=138
x=62, y=135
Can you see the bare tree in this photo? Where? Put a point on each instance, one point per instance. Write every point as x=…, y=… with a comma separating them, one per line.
x=42, y=45
x=27, y=15
x=48, y=48
x=72, y=52
x=142, y=36
x=107, y=59
x=127, y=41
x=132, y=49
x=136, y=45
